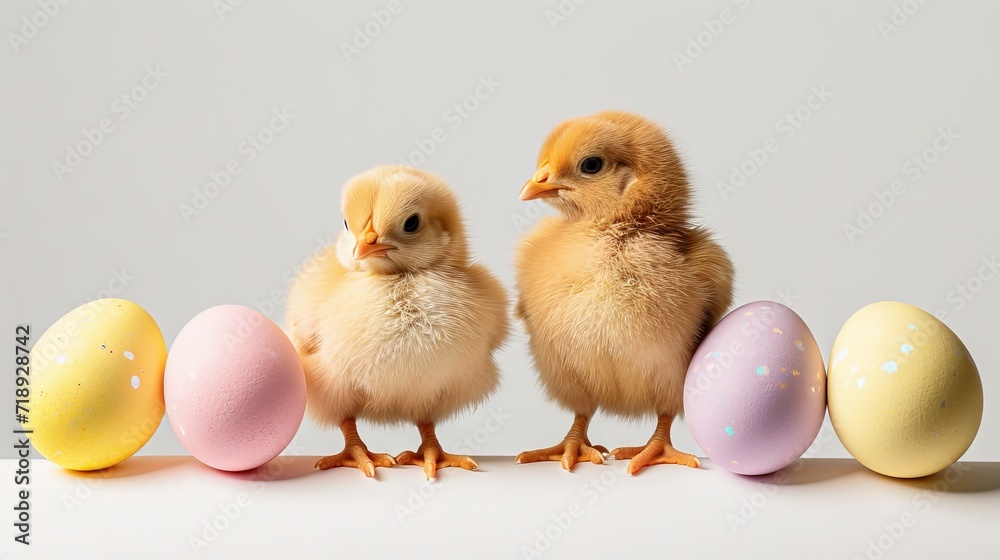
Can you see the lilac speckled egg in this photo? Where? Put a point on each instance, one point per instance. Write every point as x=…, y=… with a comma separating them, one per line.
x=755, y=393
x=234, y=388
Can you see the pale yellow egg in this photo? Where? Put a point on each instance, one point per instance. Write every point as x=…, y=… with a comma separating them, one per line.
x=96, y=392
x=904, y=395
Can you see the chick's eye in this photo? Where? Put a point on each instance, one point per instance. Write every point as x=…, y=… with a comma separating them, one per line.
x=412, y=224
x=591, y=165
x=347, y=227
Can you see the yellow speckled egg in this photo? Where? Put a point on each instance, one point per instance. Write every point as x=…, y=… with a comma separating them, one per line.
x=903, y=392
x=96, y=385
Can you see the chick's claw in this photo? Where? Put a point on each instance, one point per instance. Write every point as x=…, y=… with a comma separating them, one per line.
x=656, y=452
x=626, y=452
x=434, y=458
x=570, y=452
x=431, y=457
x=600, y=449
x=359, y=457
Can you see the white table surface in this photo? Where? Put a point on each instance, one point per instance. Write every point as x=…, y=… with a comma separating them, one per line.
x=153, y=507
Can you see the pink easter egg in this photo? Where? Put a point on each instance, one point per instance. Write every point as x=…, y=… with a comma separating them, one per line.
x=755, y=392
x=234, y=388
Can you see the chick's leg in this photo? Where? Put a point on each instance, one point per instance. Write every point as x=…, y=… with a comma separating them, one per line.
x=573, y=449
x=430, y=455
x=658, y=451
x=355, y=453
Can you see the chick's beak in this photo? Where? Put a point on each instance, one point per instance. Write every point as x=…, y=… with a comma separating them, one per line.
x=539, y=186
x=366, y=244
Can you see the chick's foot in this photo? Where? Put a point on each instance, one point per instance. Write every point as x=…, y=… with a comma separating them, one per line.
x=431, y=457
x=658, y=451
x=575, y=448
x=355, y=453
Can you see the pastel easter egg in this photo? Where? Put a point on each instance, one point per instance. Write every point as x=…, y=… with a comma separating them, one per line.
x=905, y=395
x=234, y=388
x=96, y=385
x=755, y=392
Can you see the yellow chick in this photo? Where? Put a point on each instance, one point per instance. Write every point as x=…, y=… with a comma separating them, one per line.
x=393, y=322
x=618, y=291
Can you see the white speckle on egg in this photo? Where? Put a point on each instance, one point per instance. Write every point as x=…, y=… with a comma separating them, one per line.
x=183, y=433
x=840, y=356
x=129, y=355
x=906, y=348
x=861, y=382
x=912, y=327
x=135, y=381
x=890, y=367
x=60, y=360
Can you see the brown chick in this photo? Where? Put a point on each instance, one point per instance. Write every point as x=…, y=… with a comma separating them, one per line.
x=618, y=291
x=394, y=323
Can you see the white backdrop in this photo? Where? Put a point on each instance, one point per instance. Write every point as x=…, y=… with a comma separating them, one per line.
x=844, y=152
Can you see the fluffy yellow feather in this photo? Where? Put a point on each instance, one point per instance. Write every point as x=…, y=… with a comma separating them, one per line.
x=616, y=292
x=393, y=322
